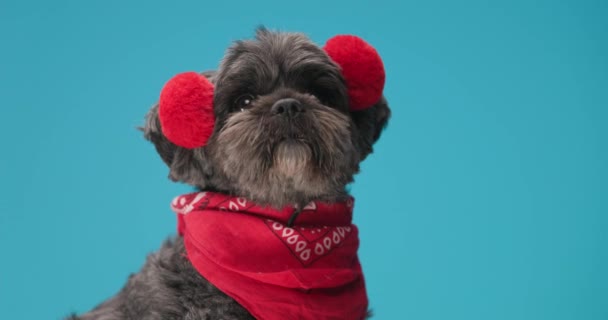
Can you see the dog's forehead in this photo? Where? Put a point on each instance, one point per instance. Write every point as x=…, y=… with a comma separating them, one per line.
x=275, y=61
x=272, y=56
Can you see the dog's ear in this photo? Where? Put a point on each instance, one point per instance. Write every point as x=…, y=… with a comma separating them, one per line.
x=153, y=133
x=363, y=72
x=186, y=163
x=370, y=122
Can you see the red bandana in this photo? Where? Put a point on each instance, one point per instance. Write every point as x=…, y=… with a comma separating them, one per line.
x=307, y=272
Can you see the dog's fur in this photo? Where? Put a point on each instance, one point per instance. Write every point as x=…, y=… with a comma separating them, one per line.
x=268, y=158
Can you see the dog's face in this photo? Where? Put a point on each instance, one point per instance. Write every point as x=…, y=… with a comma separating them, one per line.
x=283, y=133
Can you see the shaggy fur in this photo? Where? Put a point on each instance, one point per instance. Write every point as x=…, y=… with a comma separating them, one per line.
x=260, y=151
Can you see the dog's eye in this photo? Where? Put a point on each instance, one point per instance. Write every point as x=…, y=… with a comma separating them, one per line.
x=321, y=96
x=244, y=101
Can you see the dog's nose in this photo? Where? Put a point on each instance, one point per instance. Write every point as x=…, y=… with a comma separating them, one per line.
x=287, y=107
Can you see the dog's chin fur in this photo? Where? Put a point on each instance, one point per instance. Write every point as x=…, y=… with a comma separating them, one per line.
x=292, y=159
x=268, y=158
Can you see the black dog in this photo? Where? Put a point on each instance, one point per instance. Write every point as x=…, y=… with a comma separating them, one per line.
x=285, y=134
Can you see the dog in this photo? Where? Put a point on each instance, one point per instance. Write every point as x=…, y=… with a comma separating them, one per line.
x=289, y=124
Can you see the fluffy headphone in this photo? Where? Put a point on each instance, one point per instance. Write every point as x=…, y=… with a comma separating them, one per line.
x=186, y=101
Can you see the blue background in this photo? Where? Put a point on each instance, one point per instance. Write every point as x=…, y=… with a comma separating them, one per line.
x=486, y=197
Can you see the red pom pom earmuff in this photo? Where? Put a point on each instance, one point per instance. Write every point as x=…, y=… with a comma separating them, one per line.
x=186, y=110
x=362, y=69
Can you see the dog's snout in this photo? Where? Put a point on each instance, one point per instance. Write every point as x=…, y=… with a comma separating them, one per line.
x=287, y=107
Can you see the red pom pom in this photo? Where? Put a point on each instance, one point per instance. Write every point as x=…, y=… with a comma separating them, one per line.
x=362, y=69
x=186, y=110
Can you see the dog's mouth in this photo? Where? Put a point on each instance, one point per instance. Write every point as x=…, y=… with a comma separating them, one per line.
x=298, y=137
x=293, y=145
